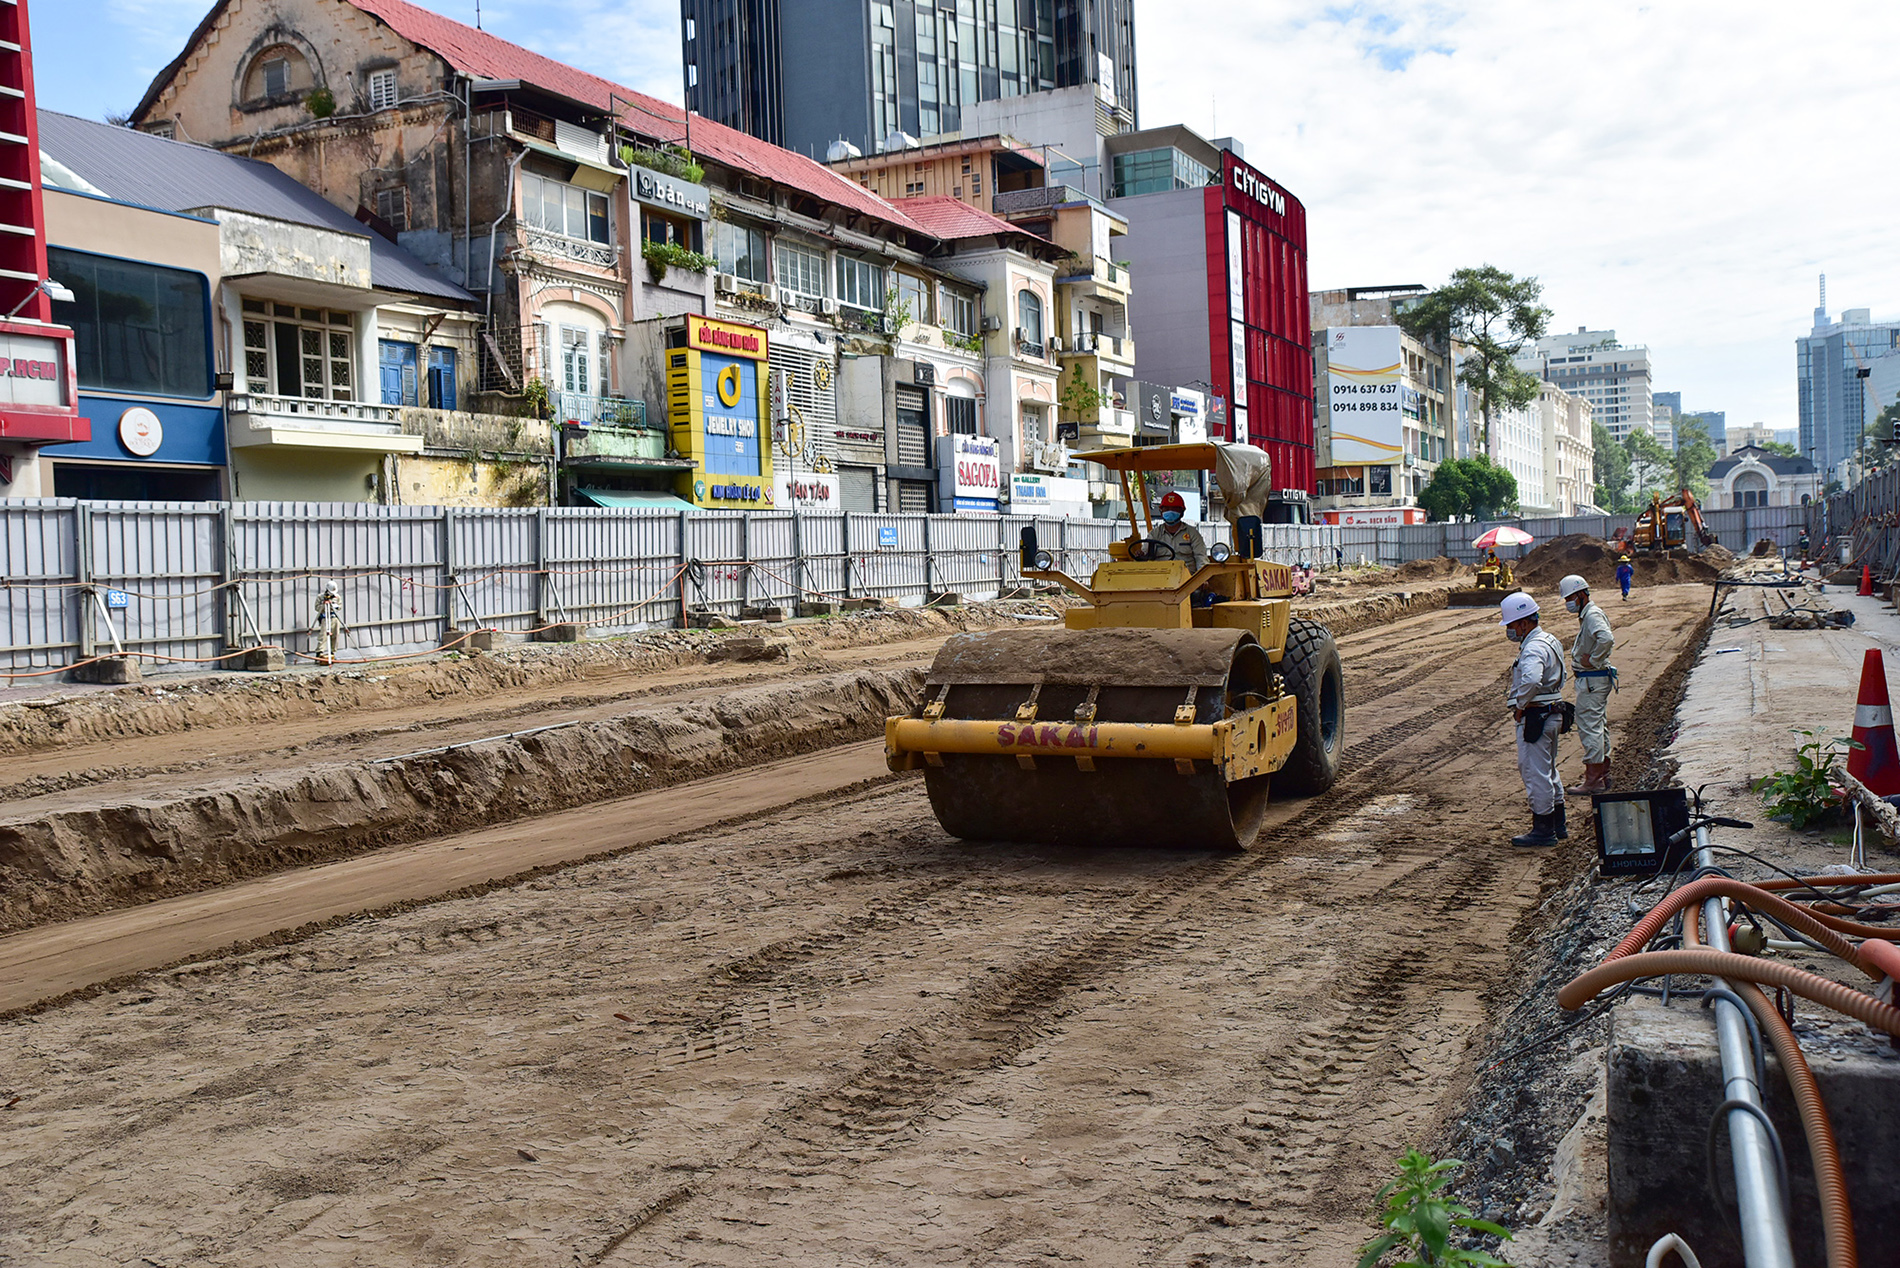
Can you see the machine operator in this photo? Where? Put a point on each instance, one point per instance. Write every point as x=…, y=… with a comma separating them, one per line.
x=1537, y=705
x=1178, y=535
x=1596, y=678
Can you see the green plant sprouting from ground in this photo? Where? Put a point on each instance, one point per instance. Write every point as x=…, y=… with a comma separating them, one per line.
x=661, y=256
x=674, y=160
x=1807, y=794
x=1420, y=1220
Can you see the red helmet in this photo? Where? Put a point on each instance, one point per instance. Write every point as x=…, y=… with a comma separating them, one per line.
x=1172, y=501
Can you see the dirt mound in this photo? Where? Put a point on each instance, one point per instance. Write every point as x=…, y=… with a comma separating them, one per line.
x=1594, y=560
x=1432, y=569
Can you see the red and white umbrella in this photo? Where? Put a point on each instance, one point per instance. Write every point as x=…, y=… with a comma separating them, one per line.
x=1504, y=535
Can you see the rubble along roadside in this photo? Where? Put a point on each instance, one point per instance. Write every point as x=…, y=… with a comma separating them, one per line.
x=169, y=704
x=83, y=861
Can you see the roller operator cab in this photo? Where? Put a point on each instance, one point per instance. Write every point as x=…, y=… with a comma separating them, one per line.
x=1164, y=711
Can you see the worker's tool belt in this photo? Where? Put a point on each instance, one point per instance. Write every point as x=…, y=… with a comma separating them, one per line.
x=1607, y=672
x=1538, y=716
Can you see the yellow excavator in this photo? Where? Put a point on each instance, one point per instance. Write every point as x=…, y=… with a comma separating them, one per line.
x=1162, y=712
x=1664, y=525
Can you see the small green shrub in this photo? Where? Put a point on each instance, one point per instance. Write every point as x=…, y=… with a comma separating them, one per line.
x=674, y=160
x=1420, y=1219
x=321, y=103
x=1809, y=793
x=534, y=395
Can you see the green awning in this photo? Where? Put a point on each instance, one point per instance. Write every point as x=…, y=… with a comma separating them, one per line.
x=627, y=499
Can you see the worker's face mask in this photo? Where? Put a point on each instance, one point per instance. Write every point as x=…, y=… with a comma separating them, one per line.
x=1575, y=605
x=1171, y=517
x=1513, y=633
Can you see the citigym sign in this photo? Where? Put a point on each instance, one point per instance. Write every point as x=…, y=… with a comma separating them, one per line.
x=1249, y=183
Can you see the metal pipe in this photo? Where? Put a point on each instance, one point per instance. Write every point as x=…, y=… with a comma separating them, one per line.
x=1764, y=1219
x=508, y=208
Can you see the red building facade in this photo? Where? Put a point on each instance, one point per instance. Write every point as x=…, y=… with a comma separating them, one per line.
x=1260, y=338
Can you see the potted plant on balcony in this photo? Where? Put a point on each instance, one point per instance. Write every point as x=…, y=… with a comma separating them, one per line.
x=534, y=396
x=660, y=256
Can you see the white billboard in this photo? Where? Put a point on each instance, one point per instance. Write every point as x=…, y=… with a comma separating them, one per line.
x=1364, y=406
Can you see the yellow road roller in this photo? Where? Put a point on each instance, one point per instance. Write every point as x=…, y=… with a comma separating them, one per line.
x=1164, y=710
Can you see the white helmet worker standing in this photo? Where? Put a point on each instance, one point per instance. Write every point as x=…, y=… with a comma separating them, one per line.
x=1536, y=699
x=1596, y=678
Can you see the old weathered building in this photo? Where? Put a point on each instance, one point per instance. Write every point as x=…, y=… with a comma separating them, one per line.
x=536, y=186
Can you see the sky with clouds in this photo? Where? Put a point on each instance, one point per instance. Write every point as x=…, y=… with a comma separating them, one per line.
x=1679, y=171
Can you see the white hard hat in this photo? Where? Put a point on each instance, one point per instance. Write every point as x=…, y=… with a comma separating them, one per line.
x=1515, y=608
x=1570, y=585
x=329, y=587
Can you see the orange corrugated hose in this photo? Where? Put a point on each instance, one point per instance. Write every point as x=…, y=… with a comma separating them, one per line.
x=1842, y=999
x=1713, y=886
x=1837, y=1214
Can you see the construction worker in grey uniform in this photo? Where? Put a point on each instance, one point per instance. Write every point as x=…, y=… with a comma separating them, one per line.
x=1596, y=678
x=1537, y=705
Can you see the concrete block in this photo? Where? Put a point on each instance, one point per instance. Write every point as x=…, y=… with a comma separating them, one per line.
x=817, y=607
x=865, y=605
x=565, y=632
x=111, y=670
x=1664, y=1084
x=709, y=621
x=262, y=660
x=482, y=640
x=770, y=613
x=944, y=598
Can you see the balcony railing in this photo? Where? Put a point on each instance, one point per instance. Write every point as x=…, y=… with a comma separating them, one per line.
x=598, y=411
x=604, y=255
x=1094, y=344
x=1030, y=348
x=313, y=411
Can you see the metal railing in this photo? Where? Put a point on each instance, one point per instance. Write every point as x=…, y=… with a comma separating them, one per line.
x=598, y=411
x=604, y=255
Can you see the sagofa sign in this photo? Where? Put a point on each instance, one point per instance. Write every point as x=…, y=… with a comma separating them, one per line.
x=661, y=190
x=731, y=338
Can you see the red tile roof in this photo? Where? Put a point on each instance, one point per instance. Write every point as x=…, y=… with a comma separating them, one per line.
x=951, y=219
x=477, y=53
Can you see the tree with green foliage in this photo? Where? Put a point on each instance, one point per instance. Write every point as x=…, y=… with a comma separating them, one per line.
x=1612, y=471
x=1494, y=315
x=1651, y=466
x=1782, y=448
x=1694, y=456
x=1469, y=487
x=1877, y=447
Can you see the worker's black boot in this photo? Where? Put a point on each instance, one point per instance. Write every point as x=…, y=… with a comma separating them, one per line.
x=1543, y=831
x=1563, y=823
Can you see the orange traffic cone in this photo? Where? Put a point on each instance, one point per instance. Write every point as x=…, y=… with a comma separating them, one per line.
x=1866, y=581
x=1876, y=762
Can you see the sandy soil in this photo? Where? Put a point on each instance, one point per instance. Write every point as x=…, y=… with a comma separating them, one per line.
x=829, y=1034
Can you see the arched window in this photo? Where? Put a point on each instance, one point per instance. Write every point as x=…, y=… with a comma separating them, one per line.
x=1029, y=317
x=1750, y=489
x=280, y=71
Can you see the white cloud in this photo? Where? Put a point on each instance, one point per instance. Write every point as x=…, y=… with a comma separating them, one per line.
x=1677, y=171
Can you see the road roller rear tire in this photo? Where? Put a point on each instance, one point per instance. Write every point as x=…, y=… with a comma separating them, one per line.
x=1316, y=682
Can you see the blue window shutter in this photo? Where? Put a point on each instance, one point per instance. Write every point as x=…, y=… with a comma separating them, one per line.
x=442, y=378
x=397, y=363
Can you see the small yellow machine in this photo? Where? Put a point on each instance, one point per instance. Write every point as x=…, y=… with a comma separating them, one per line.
x=1494, y=582
x=1158, y=717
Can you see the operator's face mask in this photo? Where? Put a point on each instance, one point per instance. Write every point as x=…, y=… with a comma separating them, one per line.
x=1513, y=633
x=1171, y=517
x=1575, y=605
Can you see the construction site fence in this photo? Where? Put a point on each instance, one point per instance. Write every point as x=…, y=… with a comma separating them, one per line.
x=182, y=585
x=1864, y=524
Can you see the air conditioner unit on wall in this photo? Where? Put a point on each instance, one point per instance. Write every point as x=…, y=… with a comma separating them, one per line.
x=787, y=296
x=829, y=307
x=1055, y=343
x=726, y=284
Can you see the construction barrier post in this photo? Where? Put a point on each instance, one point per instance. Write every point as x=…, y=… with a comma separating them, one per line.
x=1876, y=760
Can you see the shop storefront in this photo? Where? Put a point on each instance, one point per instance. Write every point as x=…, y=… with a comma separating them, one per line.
x=717, y=415
x=1034, y=494
x=143, y=451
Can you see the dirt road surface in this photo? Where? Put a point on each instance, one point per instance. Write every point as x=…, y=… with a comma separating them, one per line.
x=827, y=1034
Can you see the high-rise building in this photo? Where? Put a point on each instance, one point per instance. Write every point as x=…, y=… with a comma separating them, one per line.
x=868, y=69
x=1614, y=377
x=1832, y=366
